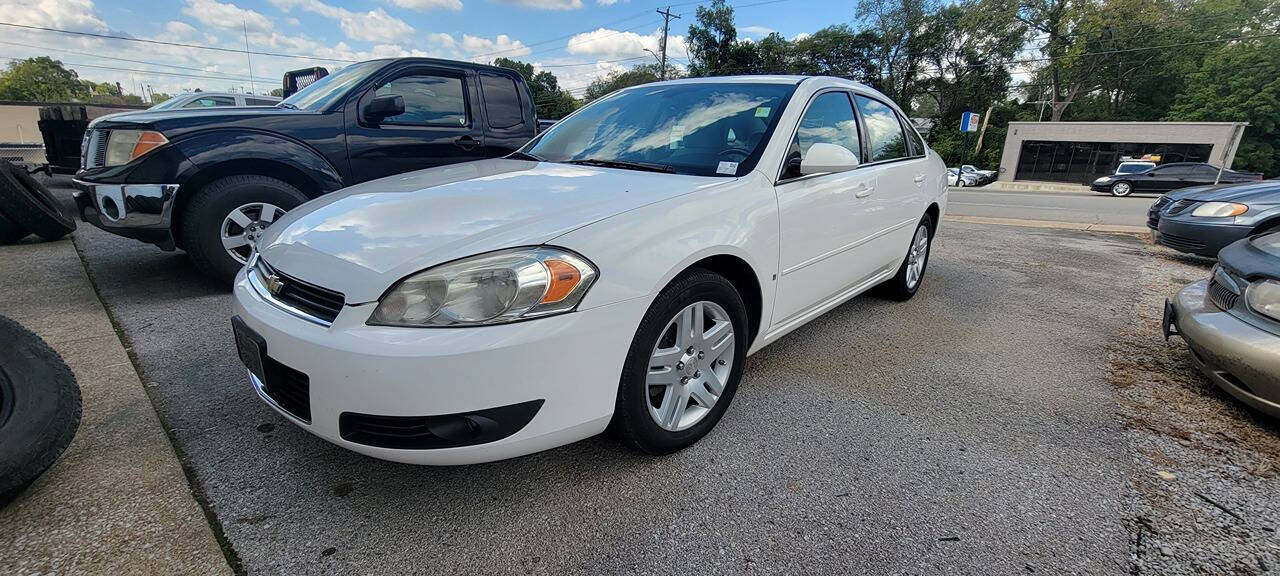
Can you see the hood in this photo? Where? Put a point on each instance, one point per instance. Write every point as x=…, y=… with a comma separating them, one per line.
x=1253, y=258
x=191, y=117
x=1256, y=192
x=362, y=239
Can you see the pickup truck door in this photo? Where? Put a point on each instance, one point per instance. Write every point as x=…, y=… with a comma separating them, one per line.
x=440, y=124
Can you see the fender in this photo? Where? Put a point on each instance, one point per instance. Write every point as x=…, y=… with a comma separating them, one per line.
x=291, y=160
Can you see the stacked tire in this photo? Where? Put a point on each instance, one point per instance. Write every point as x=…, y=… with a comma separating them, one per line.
x=39, y=408
x=27, y=207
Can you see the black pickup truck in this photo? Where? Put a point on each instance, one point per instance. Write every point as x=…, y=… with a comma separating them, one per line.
x=208, y=181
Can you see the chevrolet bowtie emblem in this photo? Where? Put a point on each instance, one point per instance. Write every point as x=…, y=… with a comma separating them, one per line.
x=274, y=284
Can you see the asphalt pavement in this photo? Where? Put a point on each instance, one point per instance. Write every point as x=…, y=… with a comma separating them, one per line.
x=1084, y=208
x=968, y=431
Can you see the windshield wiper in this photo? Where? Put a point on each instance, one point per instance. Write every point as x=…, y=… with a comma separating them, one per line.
x=287, y=105
x=624, y=164
x=518, y=155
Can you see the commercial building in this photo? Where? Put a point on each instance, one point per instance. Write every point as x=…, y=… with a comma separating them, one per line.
x=1079, y=152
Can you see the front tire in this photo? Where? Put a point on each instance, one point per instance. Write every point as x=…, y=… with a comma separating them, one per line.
x=1121, y=189
x=911, y=274
x=684, y=364
x=227, y=215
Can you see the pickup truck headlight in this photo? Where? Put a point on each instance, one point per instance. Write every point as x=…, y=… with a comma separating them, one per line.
x=1264, y=298
x=493, y=288
x=1219, y=210
x=123, y=146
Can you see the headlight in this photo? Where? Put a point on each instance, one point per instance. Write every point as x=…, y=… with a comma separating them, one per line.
x=493, y=288
x=1219, y=210
x=123, y=146
x=1102, y=180
x=1264, y=298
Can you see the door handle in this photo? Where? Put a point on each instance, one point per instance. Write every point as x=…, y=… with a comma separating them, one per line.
x=919, y=179
x=466, y=142
x=864, y=192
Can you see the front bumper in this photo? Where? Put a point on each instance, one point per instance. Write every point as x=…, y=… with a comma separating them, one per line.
x=571, y=362
x=1196, y=236
x=139, y=211
x=1240, y=358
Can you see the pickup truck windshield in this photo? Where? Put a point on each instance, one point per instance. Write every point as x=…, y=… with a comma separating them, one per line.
x=701, y=129
x=322, y=93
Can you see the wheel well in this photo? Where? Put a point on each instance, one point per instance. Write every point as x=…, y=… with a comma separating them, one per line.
x=743, y=277
x=934, y=213
x=1266, y=225
x=244, y=167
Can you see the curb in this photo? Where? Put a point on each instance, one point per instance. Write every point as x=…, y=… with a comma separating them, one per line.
x=1081, y=226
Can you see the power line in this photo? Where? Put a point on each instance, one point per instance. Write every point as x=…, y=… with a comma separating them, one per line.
x=137, y=71
x=92, y=55
x=165, y=43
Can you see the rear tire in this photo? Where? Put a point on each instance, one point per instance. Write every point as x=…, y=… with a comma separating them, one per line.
x=635, y=417
x=1121, y=189
x=210, y=212
x=911, y=273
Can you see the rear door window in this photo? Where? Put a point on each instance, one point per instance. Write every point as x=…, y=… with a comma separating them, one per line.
x=429, y=100
x=502, y=102
x=884, y=133
x=211, y=101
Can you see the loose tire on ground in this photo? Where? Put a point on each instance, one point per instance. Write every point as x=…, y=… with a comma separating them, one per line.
x=30, y=205
x=900, y=287
x=10, y=231
x=203, y=218
x=39, y=408
x=632, y=422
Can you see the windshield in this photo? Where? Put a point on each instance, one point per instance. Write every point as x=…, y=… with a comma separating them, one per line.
x=322, y=93
x=699, y=129
x=1132, y=168
x=167, y=104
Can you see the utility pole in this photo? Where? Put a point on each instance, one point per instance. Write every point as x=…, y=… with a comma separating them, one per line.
x=666, y=24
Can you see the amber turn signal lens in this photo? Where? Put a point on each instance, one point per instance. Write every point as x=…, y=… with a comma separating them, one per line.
x=564, y=278
x=148, y=141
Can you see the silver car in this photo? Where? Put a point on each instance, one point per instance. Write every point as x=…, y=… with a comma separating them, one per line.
x=1231, y=321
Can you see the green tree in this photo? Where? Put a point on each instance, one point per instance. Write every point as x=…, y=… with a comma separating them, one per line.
x=901, y=28
x=40, y=79
x=714, y=48
x=837, y=51
x=637, y=75
x=1239, y=82
x=277, y=92
x=550, y=100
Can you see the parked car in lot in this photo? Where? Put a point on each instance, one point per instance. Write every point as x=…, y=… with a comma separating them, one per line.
x=1168, y=177
x=209, y=181
x=214, y=100
x=1204, y=219
x=983, y=176
x=956, y=178
x=1231, y=322
x=618, y=268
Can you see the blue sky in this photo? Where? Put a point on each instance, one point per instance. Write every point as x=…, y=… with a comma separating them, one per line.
x=575, y=39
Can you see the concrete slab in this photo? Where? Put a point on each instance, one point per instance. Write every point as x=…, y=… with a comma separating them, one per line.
x=117, y=502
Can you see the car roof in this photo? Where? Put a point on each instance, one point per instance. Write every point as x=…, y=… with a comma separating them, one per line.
x=203, y=94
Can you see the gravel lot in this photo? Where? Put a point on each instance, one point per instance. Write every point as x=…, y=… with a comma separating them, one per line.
x=1012, y=418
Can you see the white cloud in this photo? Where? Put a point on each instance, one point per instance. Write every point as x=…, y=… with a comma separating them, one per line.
x=756, y=30
x=372, y=26
x=800, y=36
x=502, y=45
x=546, y=4
x=604, y=43
x=76, y=15
x=606, y=2
x=425, y=5
x=226, y=16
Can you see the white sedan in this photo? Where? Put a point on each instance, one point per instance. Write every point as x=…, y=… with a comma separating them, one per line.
x=614, y=273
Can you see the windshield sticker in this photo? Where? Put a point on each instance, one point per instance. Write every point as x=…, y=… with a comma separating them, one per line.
x=762, y=112
x=727, y=168
x=677, y=134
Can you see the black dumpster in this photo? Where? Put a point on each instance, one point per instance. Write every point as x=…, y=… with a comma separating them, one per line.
x=62, y=128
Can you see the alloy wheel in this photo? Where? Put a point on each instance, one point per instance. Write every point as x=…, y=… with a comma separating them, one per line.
x=1121, y=189
x=690, y=365
x=917, y=256
x=244, y=225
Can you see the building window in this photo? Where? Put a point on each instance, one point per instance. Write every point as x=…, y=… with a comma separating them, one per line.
x=1083, y=162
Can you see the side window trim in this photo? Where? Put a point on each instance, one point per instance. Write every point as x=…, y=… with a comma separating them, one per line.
x=795, y=129
x=461, y=75
x=867, y=138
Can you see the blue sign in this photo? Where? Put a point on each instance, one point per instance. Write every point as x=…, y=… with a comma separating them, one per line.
x=969, y=122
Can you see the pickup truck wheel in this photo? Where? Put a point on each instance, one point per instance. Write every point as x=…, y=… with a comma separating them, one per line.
x=30, y=205
x=226, y=216
x=11, y=231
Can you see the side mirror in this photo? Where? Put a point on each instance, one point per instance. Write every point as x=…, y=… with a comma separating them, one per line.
x=823, y=158
x=382, y=107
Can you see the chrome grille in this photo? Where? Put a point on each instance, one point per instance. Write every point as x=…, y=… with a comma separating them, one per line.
x=1181, y=206
x=93, y=148
x=1222, y=296
x=319, y=303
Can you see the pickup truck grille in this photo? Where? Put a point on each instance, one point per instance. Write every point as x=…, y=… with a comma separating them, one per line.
x=93, y=149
